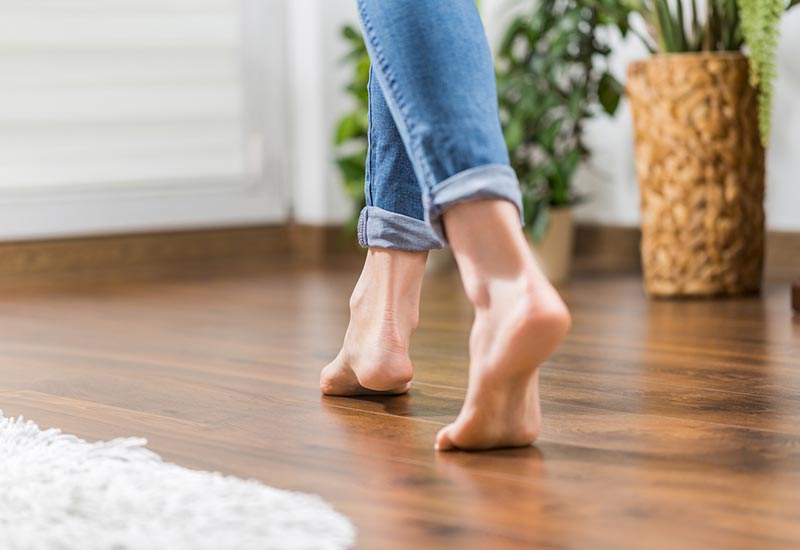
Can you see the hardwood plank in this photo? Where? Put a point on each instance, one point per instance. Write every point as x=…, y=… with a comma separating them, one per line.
x=668, y=424
x=406, y=478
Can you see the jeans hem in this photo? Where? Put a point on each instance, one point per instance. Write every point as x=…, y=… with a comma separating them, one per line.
x=491, y=181
x=379, y=228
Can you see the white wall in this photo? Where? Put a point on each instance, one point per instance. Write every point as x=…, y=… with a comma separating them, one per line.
x=783, y=160
x=608, y=181
x=316, y=100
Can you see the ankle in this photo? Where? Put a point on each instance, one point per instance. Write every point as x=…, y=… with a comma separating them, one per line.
x=390, y=286
x=529, y=297
x=378, y=305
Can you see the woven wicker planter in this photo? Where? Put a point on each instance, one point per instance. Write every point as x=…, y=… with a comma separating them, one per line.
x=700, y=166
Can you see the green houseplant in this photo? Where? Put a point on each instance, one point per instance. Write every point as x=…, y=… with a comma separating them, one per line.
x=728, y=25
x=701, y=107
x=352, y=128
x=553, y=76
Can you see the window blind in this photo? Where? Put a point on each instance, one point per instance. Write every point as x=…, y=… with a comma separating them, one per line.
x=121, y=94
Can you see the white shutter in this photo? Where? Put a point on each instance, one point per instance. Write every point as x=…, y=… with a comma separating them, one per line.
x=147, y=110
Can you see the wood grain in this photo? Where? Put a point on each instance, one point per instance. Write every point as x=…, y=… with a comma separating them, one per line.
x=599, y=249
x=668, y=424
x=169, y=253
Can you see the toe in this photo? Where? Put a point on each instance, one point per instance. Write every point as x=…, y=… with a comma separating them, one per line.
x=325, y=384
x=443, y=440
x=339, y=380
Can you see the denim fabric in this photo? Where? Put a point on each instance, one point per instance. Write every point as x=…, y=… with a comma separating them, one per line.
x=394, y=214
x=434, y=130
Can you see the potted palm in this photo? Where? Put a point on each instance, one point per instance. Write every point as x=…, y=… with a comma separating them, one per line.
x=553, y=76
x=701, y=109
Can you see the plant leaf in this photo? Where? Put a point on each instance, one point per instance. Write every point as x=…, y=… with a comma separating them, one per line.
x=541, y=221
x=609, y=92
x=353, y=167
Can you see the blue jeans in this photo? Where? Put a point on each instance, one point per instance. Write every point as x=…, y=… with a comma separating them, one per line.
x=434, y=129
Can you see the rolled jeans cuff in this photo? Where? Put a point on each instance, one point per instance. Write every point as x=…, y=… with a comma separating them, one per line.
x=491, y=181
x=380, y=228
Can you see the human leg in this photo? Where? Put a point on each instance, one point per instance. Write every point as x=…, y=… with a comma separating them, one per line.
x=433, y=63
x=384, y=307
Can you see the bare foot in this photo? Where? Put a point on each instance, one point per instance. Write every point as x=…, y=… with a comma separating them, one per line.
x=384, y=312
x=519, y=321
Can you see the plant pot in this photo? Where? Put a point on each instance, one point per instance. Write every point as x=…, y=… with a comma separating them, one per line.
x=700, y=165
x=554, y=252
x=440, y=261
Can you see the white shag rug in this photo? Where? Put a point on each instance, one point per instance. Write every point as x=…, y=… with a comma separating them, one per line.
x=59, y=492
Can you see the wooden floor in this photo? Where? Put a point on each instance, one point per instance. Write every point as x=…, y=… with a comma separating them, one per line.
x=669, y=425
